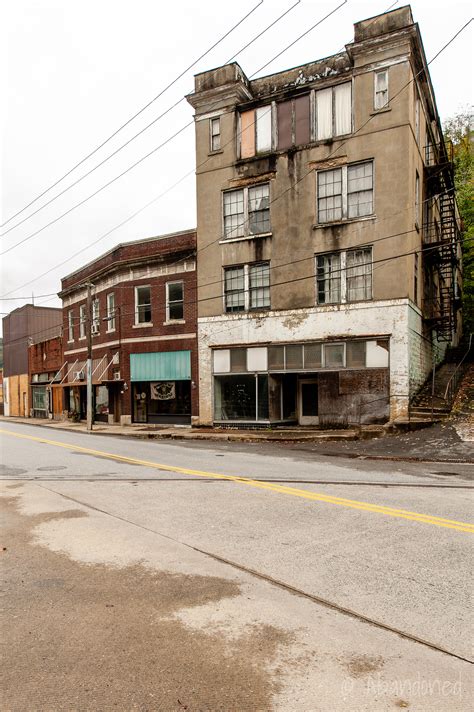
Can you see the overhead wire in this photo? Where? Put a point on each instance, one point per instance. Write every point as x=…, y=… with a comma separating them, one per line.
x=139, y=133
x=140, y=111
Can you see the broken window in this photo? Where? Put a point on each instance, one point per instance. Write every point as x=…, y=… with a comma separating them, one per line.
x=247, y=287
x=238, y=360
x=328, y=278
x=346, y=192
x=234, y=289
x=344, y=276
x=247, y=211
x=256, y=131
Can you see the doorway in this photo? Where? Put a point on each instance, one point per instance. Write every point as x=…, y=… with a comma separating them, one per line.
x=308, y=402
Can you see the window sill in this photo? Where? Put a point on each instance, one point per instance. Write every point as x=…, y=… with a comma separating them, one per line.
x=384, y=110
x=244, y=237
x=338, y=223
x=71, y=341
x=170, y=322
x=144, y=325
x=215, y=153
x=110, y=331
x=82, y=338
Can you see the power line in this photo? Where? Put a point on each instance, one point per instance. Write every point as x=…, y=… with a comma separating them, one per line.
x=299, y=180
x=139, y=133
x=140, y=111
x=134, y=165
x=313, y=275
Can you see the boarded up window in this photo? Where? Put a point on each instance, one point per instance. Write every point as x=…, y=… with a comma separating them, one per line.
x=302, y=123
x=284, y=113
x=263, y=118
x=247, y=135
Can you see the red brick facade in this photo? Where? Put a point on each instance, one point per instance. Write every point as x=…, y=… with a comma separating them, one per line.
x=153, y=263
x=46, y=356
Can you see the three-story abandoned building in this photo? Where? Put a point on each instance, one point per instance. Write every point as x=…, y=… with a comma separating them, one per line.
x=327, y=234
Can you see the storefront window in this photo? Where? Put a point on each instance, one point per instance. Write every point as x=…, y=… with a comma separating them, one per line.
x=39, y=399
x=235, y=398
x=101, y=400
x=241, y=397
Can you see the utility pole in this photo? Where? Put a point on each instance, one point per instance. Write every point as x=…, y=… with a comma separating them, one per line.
x=89, y=356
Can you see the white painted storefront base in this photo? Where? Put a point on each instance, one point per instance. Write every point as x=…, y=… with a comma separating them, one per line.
x=410, y=353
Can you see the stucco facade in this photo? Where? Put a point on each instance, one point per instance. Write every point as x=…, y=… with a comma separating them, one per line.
x=311, y=215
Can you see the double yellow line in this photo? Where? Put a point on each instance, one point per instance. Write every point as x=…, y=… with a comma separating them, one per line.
x=272, y=487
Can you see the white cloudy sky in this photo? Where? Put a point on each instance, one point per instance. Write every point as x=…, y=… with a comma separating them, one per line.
x=72, y=73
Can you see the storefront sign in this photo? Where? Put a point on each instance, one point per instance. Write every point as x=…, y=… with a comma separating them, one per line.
x=164, y=390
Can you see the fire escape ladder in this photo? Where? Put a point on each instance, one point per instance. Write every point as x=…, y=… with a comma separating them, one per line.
x=441, y=240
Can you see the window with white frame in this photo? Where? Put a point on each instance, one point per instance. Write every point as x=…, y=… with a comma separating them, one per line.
x=82, y=321
x=70, y=325
x=255, y=131
x=333, y=111
x=346, y=192
x=95, y=316
x=247, y=287
x=246, y=211
x=142, y=305
x=215, y=134
x=174, y=301
x=111, y=311
x=381, y=89
x=344, y=276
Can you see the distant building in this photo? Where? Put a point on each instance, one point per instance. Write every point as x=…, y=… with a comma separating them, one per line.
x=45, y=365
x=24, y=326
x=143, y=333
x=328, y=238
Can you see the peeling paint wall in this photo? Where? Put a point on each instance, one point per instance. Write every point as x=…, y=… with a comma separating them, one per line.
x=375, y=319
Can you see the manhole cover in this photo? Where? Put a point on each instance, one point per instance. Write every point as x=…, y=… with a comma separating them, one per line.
x=52, y=468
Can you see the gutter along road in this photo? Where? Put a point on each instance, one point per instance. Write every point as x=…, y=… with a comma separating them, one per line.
x=158, y=575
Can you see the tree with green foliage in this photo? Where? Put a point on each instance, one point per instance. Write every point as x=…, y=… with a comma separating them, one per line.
x=458, y=130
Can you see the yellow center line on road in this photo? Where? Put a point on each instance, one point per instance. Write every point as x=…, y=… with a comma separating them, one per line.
x=292, y=491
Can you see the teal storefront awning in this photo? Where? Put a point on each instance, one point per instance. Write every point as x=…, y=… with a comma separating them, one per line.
x=161, y=366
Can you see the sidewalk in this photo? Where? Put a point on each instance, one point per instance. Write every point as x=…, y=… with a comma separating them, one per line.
x=142, y=431
x=449, y=441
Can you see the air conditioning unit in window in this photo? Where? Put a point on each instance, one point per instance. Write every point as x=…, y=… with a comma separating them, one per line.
x=95, y=329
x=117, y=376
x=79, y=375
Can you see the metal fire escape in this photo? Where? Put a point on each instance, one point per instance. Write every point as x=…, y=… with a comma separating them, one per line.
x=441, y=239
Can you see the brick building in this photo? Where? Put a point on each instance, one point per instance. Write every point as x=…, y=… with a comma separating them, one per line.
x=326, y=209
x=24, y=326
x=45, y=365
x=143, y=332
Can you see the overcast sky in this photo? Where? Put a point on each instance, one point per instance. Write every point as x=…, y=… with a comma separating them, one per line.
x=74, y=72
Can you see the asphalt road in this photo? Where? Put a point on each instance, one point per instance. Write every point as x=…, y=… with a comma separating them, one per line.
x=164, y=576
